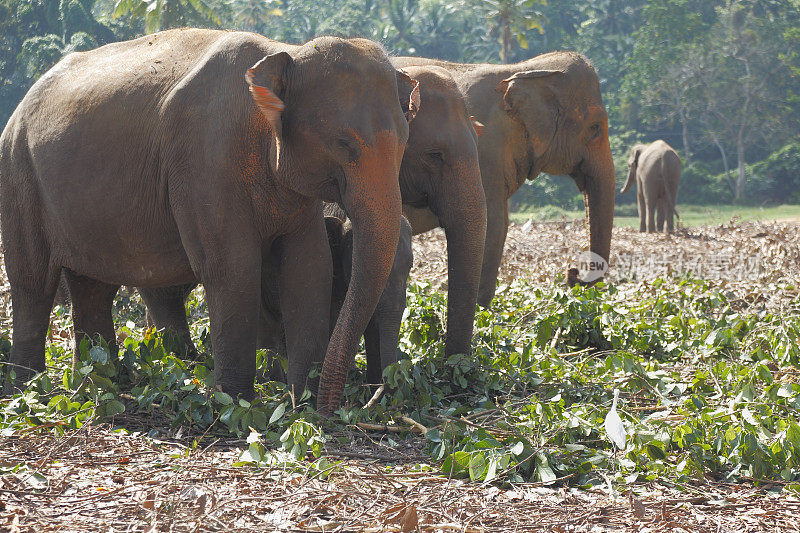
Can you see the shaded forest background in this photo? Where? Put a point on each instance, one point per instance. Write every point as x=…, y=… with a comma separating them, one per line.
x=717, y=79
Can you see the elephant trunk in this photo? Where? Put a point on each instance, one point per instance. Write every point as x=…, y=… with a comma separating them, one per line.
x=462, y=214
x=371, y=197
x=599, y=192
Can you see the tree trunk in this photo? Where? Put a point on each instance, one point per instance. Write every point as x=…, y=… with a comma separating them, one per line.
x=725, y=163
x=505, y=51
x=685, y=130
x=740, y=179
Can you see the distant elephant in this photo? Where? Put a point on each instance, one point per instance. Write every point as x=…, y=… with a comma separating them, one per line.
x=440, y=174
x=183, y=157
x=656, y=169
x=166, y=306
x=544, y=114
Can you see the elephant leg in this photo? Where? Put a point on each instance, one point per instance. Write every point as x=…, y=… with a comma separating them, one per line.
x=305, y=293
x=661, y=214
x=33, y=288
x=642, y=210
x=383, y=331
x=651, y=215
x=233, y=301
x=166, y=308
x=92, y=301
x=496, y=230
x=372, y=345
x=670, y=206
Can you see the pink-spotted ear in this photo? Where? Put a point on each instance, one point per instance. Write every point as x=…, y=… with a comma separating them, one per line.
x=267, y=83
x=408, y=90
x=477, y=125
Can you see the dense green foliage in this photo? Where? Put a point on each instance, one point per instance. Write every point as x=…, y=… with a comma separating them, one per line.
x=709, y=388
x=719, y=79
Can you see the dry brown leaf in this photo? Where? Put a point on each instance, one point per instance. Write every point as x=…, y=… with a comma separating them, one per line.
x=410, y=520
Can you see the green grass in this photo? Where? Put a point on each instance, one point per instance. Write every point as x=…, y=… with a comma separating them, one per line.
x=691, y=215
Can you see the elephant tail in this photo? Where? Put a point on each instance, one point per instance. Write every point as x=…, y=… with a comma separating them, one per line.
x=672, y=201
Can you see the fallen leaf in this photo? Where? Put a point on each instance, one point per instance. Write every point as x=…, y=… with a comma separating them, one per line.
x=410, y=520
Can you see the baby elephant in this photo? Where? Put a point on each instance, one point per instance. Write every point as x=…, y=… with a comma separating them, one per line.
x=166, y=306
x=657, y=170
x=383, y=331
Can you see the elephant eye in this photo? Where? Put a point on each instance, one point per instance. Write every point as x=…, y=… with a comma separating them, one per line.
x=436, y=155
x=349, y=146
x=594, y=131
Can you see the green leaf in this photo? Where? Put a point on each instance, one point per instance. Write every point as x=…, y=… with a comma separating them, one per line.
x=114, y=407
x=277, y=413
x=477, y=466
x=98, y=354
x=223, y=398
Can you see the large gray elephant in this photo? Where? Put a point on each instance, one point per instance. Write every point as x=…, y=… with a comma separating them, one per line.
x=150, y=163
x=656, y=170
x=545, y=114
x=439, y=177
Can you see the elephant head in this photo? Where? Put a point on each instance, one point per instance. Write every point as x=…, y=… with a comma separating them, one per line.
x=556, y=99
x=633, y=164
x=440, y=171
x=346, y=117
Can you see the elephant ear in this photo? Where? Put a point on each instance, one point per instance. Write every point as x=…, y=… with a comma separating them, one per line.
x=408, y=91
x=267, y=80
x=530, y=98
x=476, y=125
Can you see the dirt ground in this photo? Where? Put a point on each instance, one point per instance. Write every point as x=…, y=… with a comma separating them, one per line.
x=99, y=480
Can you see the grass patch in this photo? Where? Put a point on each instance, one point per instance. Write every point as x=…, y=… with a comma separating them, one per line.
x=691, y=215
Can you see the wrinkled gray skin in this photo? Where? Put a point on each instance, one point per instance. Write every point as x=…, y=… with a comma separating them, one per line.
x=149, y=163
x=544, y=114
x=166, y=307
x=656, y=170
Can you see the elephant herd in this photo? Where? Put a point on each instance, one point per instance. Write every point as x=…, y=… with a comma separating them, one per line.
x=277, y=176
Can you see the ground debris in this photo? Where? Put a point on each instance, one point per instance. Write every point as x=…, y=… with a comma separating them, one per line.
x=165, y=489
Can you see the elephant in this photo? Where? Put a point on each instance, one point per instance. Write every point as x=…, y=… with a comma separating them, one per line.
x=166, y=306
x=656, y=169
x=544, y=114
x=188, y=155
x=440, y=177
